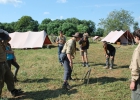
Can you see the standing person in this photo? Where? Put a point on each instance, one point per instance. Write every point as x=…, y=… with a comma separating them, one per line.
x=11, y=59
x=5, y=72
x=135, y=68
x=109, y=54
x=84, y=45
x=60, y=40
x=67, y=55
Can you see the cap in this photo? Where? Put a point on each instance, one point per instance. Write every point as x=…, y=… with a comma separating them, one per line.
x=86, y=34
x=77, y=34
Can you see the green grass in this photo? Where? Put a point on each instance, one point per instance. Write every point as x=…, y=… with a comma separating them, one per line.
x=41, y=76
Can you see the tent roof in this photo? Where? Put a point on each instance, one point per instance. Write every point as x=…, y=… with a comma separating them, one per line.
x=113, y=36
x=96, y=37
x=28, y=39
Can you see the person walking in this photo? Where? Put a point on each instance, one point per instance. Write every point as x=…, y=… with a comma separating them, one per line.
x=66, y=56
x=135, y=68
x=84, y=45
x=6, y=75
x=109, y=54
x=60, y=40
x=11, y=59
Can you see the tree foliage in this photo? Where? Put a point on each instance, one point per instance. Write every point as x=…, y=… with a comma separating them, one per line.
x=52, y=28
x=136, y=26
x=82, y=28
x=46, y=21
x=117, y=20
x=26, y=23
x=69, y=26
x=99, y=32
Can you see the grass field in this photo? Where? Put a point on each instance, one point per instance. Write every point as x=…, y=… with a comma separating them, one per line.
x=41, y=76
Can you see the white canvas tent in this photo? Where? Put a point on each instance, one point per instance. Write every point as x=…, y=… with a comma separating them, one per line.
x=119, y=36
x=96, y=38
x=29, y=39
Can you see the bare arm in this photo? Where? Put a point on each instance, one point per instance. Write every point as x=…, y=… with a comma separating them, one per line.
x=70, y=60
x=105, y=49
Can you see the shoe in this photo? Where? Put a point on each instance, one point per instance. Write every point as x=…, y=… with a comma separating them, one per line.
x=16, y=92
x=110, y=68
x=106, y=67
x=15, y=79
x=61, y=63
x=84, y=65
x=70, y=78
x=66, y=86
x=87, y=65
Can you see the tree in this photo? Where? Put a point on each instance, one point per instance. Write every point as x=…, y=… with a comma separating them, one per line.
x=82, y=28
x=73, y=21
x=26, y=23
x=52, y=28
x=9, y=27
x=69, y=29
x=136, y=26
x=43, y=25
x=46, y=21
x=117, y=20
x=91, y=26
x=99, y=32
x=1, y=26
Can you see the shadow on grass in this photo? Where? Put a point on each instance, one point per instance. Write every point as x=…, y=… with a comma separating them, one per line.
x=99, y=64
x=93, y=64
x=46, y=94
x=124, y=66
x=105, y=80
x=36, y=80
x=81, y=62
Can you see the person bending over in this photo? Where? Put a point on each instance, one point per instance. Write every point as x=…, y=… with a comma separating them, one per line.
x=68, y=51
x=109, y=54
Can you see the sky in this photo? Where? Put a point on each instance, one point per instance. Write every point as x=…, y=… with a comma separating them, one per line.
x=94, y=10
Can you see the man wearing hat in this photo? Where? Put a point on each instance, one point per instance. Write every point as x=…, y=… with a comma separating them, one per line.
x=84, y=45
x=5, y=72
x=69, y=50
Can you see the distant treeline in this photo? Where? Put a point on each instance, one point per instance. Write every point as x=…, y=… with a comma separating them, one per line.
x=69, y=26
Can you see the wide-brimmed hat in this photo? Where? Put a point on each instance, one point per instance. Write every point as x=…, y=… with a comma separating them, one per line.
x=77, y=35
x=86, y=34
x=3, y=35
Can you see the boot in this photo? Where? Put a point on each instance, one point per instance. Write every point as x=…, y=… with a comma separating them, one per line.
x=84, y=64
x=15, y=79
x=16, y=92
x=66, y=86
x=87, y=65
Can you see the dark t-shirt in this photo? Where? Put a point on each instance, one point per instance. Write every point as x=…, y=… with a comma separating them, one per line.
x=110, y=47
x=84, y=44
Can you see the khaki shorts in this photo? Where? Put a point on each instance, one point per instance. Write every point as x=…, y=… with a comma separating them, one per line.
x=84, y=52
